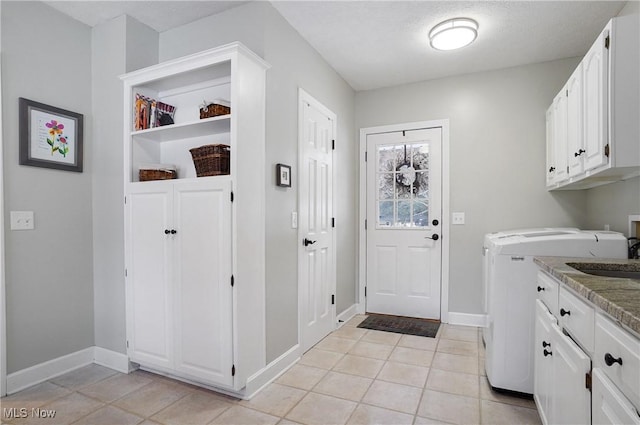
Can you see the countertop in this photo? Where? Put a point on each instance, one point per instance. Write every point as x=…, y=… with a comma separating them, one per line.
x=619, y=297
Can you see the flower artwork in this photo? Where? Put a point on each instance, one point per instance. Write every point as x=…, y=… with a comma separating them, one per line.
x=58, y=142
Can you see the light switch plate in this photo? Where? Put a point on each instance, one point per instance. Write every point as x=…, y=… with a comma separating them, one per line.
x=294, y=220
x=22, y=220
x=457, y=218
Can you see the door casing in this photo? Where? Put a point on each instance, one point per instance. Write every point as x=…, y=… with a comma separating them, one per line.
x=445, y=222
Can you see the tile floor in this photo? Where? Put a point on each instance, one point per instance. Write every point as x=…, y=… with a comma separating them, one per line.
x=353, y=376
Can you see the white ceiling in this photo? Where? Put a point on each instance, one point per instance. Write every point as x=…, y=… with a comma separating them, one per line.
x=374, y=44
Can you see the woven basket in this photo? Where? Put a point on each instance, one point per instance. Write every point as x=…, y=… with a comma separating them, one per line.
x=213, y=110
x=147, y=175
x=211, y=160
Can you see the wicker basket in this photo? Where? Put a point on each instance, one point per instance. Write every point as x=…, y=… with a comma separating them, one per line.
x=213, y=110
x=147, y=175
x=211, y=160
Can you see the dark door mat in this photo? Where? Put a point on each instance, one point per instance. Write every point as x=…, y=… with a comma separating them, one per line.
x=401, y=325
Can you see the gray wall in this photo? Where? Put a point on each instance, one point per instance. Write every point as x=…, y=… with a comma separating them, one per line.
x=118, y=46
x=294, y=64
x=49, y=290
x=497, y=156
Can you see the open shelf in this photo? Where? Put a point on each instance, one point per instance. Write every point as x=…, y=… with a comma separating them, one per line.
x=186, y=130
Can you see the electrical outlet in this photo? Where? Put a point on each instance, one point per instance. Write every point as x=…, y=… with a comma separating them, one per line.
x=457, y=218
x=22, y=220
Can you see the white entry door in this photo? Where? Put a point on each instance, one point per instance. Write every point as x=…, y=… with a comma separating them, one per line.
x=404, y=249
x=316, y=267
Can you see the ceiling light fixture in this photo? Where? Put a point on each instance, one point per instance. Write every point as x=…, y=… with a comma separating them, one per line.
x=453, y=34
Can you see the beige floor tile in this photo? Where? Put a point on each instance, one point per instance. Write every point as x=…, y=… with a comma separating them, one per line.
x=370, y=349
x=454, y=383
x=239, y=415
x=113, y=388
x=361, y=366
x=449, y=408
x=342, y=385
x=199, y=407
x=320, y=358
x=275, y=399
x=429, y=421
x=35, y=396
x=356, y=320
x=418, y=342
x=288, y=422
x=84, y=376
x=149, y=422
x=349, y=332
x=333, y=343
x=110, y=415
x=366, y=415
x=506, y=414
x=380, y=337
x=465, y=333
x=487, y=393
x=393, y=396
x=411, y=356
x=319, y=409
x=67, y=409
x=463, y=348
x=455, y=363
x=151, y=398
x=402, y=373
x=301, y=376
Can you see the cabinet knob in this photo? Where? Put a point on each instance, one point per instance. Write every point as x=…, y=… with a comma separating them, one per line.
x=547, y=353
x=552, y=169
x=610, y=360
x=174, y=231
x=540, y=289
x=580, y=152
x=564, y=312
x=546, y=344
x=167, y=231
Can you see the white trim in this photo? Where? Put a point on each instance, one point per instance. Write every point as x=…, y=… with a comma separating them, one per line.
x=362, y=246
x=111, y=359
x=347, y=315
x=466, y=319
x=271, y=372
x=33, y=375
x=3, y=316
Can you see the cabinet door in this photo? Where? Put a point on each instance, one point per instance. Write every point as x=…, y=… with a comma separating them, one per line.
x=543, y=362
x=610, y=406
x=202, y=278
x=575, y=146
x=149, y=302
x=595, y=74
x=551, y=148
x=560, y=135
x=571, y=398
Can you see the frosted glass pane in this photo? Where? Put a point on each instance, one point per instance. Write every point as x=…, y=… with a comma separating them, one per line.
x=420, y=214
x=404, y=213
x=386, y=186
x=385, y=213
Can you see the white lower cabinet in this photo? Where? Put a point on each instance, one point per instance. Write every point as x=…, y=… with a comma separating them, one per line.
x=543, y=362
x=610, y=406
x=179, y=293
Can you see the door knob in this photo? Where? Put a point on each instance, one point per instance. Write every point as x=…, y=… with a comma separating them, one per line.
x=308, y=242
x=580, y=152
x=174, y=231
x=610, y=360
x=167, y=231
x=546, y=344
x=547, y=353
x=540, y=289
x=564, y=312
x=435, y=237
x=552, y=169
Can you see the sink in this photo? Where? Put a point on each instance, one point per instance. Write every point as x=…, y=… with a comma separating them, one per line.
x=627, y=271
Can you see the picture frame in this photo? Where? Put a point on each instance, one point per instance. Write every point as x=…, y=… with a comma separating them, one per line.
x=283, y=175
x=50, y=137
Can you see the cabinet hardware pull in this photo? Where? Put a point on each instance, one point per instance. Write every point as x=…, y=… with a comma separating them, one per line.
x=610, y=360
x=580, y=152
x=435, y=237
x=167, y=231
x=547, y=353
x=308, y=242
x=540, y=289
x=546, y=344
x=564, y=312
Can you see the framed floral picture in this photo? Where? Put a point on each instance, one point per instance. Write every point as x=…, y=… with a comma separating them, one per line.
x=50, y=137
x=283, y=175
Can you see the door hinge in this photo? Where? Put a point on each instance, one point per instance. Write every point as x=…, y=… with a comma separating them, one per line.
x=587, y=380
x=125, y=273
x=404, y=133
x=365, y=156
x=333, y=299
x=231, y=196
x=233, y=370
x=125, y=200
x=365, y=224
x=333, y=222
x=567, y=169
x=333, y=145
x=365, y=291
x=567, y=93
x=607, y=42
x=127, y=344
x=233, y=281
x=606, y=150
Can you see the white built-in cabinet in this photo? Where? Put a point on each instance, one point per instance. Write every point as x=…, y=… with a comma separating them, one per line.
x=592, y=125
x=194, y=247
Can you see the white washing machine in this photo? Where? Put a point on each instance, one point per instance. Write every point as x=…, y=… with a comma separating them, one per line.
x=510, y=292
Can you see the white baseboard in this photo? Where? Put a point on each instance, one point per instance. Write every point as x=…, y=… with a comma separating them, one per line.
x=271, y=372
x=347, y=315
x=33, y=375
x=467, y=319
x=111, y=359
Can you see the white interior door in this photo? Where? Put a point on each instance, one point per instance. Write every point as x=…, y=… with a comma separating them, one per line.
x=404, y=191
x=317, y=252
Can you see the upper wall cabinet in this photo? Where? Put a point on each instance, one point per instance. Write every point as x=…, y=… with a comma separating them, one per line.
x=593, y=130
